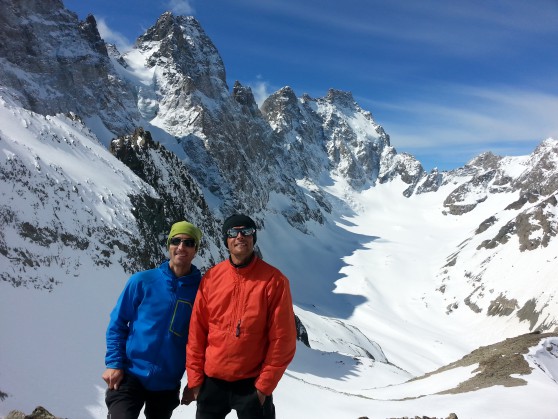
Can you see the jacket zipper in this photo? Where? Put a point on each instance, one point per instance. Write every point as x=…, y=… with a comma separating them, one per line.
x=239, y=303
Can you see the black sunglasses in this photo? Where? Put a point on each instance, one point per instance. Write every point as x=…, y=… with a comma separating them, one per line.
x=247, y=231
x=175, y=241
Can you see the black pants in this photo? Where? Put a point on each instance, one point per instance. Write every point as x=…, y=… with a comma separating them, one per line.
x=128, y=400
x=217, y=398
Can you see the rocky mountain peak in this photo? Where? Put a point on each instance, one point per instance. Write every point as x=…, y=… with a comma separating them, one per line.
x=286, y=95
x=281, y=109
x=542, y=175
x=53, y=63
x=91, y=33
x=486, y=161
x=165, y=25
x=340, y=98
x=179, y=44
x=244, y=96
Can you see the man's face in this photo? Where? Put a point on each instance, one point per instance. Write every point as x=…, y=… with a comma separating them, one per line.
x=241, y=246
x=182, y=252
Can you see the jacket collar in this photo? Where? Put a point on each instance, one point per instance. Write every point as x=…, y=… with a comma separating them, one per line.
x=243, y=265
x=193, y=276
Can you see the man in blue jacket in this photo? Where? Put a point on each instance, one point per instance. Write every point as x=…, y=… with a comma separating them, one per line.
x=148, y=331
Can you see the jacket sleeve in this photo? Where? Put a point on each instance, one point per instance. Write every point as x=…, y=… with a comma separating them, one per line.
x=197, y=337
x=282, y=336
x=119, y=325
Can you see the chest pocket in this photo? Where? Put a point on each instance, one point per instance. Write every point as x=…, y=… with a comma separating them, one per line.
x=181, y=318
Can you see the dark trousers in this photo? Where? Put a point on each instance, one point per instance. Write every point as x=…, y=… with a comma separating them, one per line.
x=128, y=400
x=217, y=398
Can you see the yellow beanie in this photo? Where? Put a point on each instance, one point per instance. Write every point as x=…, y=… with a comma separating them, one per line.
x=184, y=227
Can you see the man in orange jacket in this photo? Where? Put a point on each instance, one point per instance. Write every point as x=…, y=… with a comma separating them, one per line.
x=242, y=332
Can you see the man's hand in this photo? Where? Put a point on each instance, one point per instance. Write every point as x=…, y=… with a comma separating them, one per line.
x=113, y=377
x=261, y=396
x=189, y=395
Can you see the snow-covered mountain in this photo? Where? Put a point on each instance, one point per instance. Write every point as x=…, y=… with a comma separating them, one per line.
x=395, y=272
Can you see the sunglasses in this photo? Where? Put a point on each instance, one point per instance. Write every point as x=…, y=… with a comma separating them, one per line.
x=175, y=241
x=247, y=231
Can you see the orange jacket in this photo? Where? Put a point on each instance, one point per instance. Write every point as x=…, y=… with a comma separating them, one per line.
x=242, y=326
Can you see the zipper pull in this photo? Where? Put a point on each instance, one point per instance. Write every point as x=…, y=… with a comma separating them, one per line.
x=238, y=329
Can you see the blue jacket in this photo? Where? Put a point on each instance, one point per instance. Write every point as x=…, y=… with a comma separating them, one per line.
x=148, y=328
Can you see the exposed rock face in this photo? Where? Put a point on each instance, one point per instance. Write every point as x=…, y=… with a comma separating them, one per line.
x=502, y=306
x=409, y=170
x=499, y=364
x=39, y=413
x=533, y=227
x=300, y=127
x=459, y=201
x=187, y=74
x=301, y=333
x=193, y=57
x=488, y=175
x=223, y=137
x=431, y=182
x=178, y=195
x=486, y=161
x=78, y=224
x=356, y=142
x=53, y=63
x=542, y=176
x=527, y=223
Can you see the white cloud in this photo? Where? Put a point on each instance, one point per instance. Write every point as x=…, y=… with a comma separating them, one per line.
x=471, y=115
x=467, y=29
x=113, y=37
x=456, y=123
x=180, y=7
x=260, y=90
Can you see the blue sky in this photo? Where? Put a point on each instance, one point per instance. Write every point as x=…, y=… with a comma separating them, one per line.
x=446, y=79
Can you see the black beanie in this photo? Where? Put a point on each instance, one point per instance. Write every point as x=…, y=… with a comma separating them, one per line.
x=238, y=220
